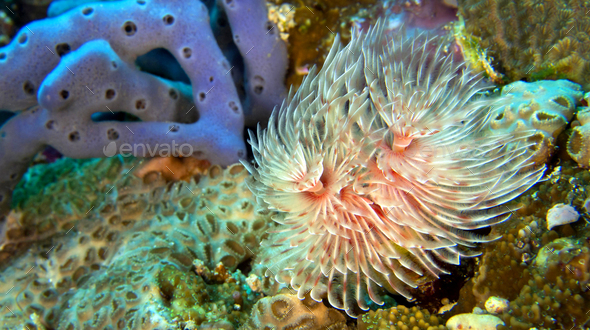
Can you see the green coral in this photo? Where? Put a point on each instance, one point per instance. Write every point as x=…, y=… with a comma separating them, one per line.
x=192, y=299
x=533, y=40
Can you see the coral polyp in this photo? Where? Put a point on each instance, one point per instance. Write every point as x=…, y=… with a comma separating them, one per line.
x=381, y=166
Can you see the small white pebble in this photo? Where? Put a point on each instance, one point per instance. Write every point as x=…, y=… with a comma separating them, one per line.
x=561, y=214
x=587, y=204
x=474, y=322
x=497, y=305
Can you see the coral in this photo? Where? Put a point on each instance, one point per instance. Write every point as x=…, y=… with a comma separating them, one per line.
x=355, y=169
x=6, y=28
x=191, y=298
x=557, y=296
x=541, y=272
x=83, y=93
x=286, y=311
x=532, y=39
x=400, y=317
x=544, y=106
x=173, y=168
x=110, y=242
x=315, y=25
x=478, y=58
x=578, y=144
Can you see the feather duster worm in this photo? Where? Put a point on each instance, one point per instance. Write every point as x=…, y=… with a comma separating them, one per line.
x=380, y=166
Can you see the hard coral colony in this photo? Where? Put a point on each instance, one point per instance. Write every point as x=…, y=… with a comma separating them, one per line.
x=381, y=167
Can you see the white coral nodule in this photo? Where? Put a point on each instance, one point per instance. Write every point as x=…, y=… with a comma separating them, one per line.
x=381, y=166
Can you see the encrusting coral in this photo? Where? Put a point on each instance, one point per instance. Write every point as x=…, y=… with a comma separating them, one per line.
x=373, y=166
x=542, y=272
x=544, y=106
x=578, y=144
x=105, y=247
x=286, y=311
x=401, y=317
x=70, y=78
x=532, y=40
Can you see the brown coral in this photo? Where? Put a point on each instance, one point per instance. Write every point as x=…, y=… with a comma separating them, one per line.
x=533, y=39
x=401, y=317
x=285, y=311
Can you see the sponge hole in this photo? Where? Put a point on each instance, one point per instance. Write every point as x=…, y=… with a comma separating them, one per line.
x=2, y=56
x=234, y=106
x=141, y=2
x=87, y=11
x=140, y=104
x=187, y=52
x=258, y=83
x=269, y=27
x=110, y=94
x=74, y=136
x=112, y=134
x=202, y=96
x=168, y=19
x=62, y=49
x=22, y=38
x=29, y=88
x=50, y=124
x=129, y=28
x=64, y=94
x=173, y=94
